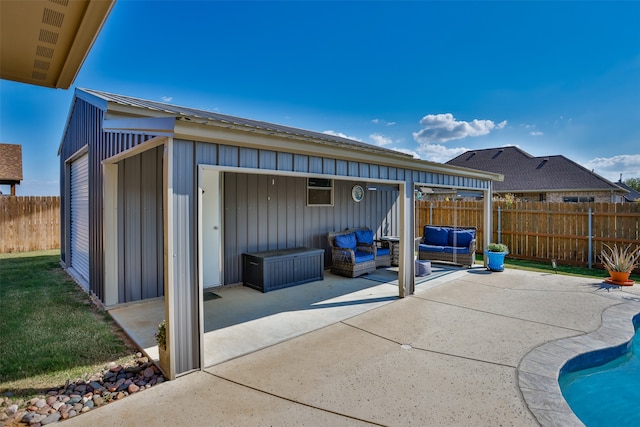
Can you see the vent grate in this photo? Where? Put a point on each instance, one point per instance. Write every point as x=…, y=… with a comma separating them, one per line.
x=60, y=2
x=46, y=52
x=41, y=65
x=48, y=37
x=51, y=17
x=39, y=76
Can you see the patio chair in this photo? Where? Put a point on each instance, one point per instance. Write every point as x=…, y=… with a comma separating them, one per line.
x=348, y=258
x=364, y=236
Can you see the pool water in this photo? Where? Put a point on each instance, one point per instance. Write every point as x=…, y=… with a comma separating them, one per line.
x=609, y=394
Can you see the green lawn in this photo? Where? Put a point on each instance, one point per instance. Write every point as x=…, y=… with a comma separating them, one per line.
x=562, y=269
x=50, y=331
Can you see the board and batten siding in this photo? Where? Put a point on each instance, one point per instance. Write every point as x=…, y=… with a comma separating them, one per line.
x=270, y=212
x=84, y=129
x=140, y=227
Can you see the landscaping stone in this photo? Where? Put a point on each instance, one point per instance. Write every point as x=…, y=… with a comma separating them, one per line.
x=115, y=382
x=51, y=419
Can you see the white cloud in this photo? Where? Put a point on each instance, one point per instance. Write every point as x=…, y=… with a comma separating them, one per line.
x=382, y=122
x=439, y=153
x=611, y=167
x=341, y=135
x=166, y=98
x=532, y=129
x=380, y=140
x=444, y=127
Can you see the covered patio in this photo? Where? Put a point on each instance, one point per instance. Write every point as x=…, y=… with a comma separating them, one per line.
x=239, y=320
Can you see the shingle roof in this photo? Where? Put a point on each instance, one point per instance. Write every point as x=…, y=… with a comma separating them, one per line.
x=10, y=163
x=633, y=194
x=524, y=172
x=190, y=114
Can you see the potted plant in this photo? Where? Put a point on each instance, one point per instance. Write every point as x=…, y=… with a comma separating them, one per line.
x=620, y=262
x=495, y=253
x=163, y=354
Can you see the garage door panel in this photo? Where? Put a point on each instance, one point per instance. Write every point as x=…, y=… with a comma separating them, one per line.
x=80, y=217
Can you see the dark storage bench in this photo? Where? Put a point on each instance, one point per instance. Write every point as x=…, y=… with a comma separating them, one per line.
x=270, y=270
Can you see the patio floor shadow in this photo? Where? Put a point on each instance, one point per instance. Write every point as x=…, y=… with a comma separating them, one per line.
x=239, y=320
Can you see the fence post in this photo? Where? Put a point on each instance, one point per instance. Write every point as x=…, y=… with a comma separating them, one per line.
x=590, y=238
x=431, y=213
x=499, y=224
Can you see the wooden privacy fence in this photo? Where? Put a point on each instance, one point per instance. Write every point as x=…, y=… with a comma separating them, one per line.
x=543, y=231
x=29, y=223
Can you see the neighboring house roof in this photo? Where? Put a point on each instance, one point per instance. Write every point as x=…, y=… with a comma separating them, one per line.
x=526, y=173
x=633, y=194
x=44, y=43
x=10, y=163
x=129, y=114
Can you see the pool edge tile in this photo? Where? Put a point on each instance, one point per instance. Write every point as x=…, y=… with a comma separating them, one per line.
x=539, y=370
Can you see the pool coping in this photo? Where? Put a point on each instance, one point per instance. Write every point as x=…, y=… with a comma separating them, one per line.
x=539, y=370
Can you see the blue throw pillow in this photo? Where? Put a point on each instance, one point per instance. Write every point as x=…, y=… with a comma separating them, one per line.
x=461, y=238
x=437, y=236
x=347, y=241
x=364, y=236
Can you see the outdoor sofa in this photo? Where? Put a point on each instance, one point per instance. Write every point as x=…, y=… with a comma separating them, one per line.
x=448, y=244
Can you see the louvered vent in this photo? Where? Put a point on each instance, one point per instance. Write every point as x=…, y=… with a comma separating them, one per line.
x=48, y=37
x=45, y=52
x=39, y=76
x=60, y=2
x=51, y=17
x=41, y=65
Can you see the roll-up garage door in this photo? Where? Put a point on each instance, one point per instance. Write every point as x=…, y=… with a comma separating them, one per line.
x=80, y=217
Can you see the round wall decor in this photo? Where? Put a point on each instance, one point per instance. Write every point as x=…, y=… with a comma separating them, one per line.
x=357, y=193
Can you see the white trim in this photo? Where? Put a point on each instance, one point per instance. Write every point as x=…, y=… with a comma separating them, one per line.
x=488, y=220
x=456, y=187
x=79, y=153
x=200, y=271
x=110, y=232
x=140, y=148
x=406, y=278
x=297, y=174
x=167, y=179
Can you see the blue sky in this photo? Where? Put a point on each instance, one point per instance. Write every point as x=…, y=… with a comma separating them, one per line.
x=430, y=78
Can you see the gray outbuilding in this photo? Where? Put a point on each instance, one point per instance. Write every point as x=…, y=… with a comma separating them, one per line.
x=162, y=201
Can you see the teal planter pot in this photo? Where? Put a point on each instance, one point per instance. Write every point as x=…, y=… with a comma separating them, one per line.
x=495, y=260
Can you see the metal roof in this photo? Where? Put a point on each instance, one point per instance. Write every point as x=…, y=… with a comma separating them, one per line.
x=210, y=117
x=524, y=172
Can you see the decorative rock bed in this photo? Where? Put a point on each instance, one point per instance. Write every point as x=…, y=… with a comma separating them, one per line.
x=115, y=382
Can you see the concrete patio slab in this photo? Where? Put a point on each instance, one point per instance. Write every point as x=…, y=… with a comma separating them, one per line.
x=474, y=348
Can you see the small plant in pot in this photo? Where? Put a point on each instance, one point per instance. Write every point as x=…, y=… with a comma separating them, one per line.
x=161, y=335
x=495, y=253
x=620, y=261
x=163, y=355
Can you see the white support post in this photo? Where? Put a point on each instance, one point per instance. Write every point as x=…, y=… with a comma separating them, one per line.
x=488, y=216
x=110, y=230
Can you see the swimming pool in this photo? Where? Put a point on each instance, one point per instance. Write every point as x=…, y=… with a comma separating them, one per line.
x=605, y=394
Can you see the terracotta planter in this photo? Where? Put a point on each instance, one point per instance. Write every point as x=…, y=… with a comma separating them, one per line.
x=619, y=276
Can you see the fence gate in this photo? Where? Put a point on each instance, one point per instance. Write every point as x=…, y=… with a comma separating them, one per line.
x=80, y=218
